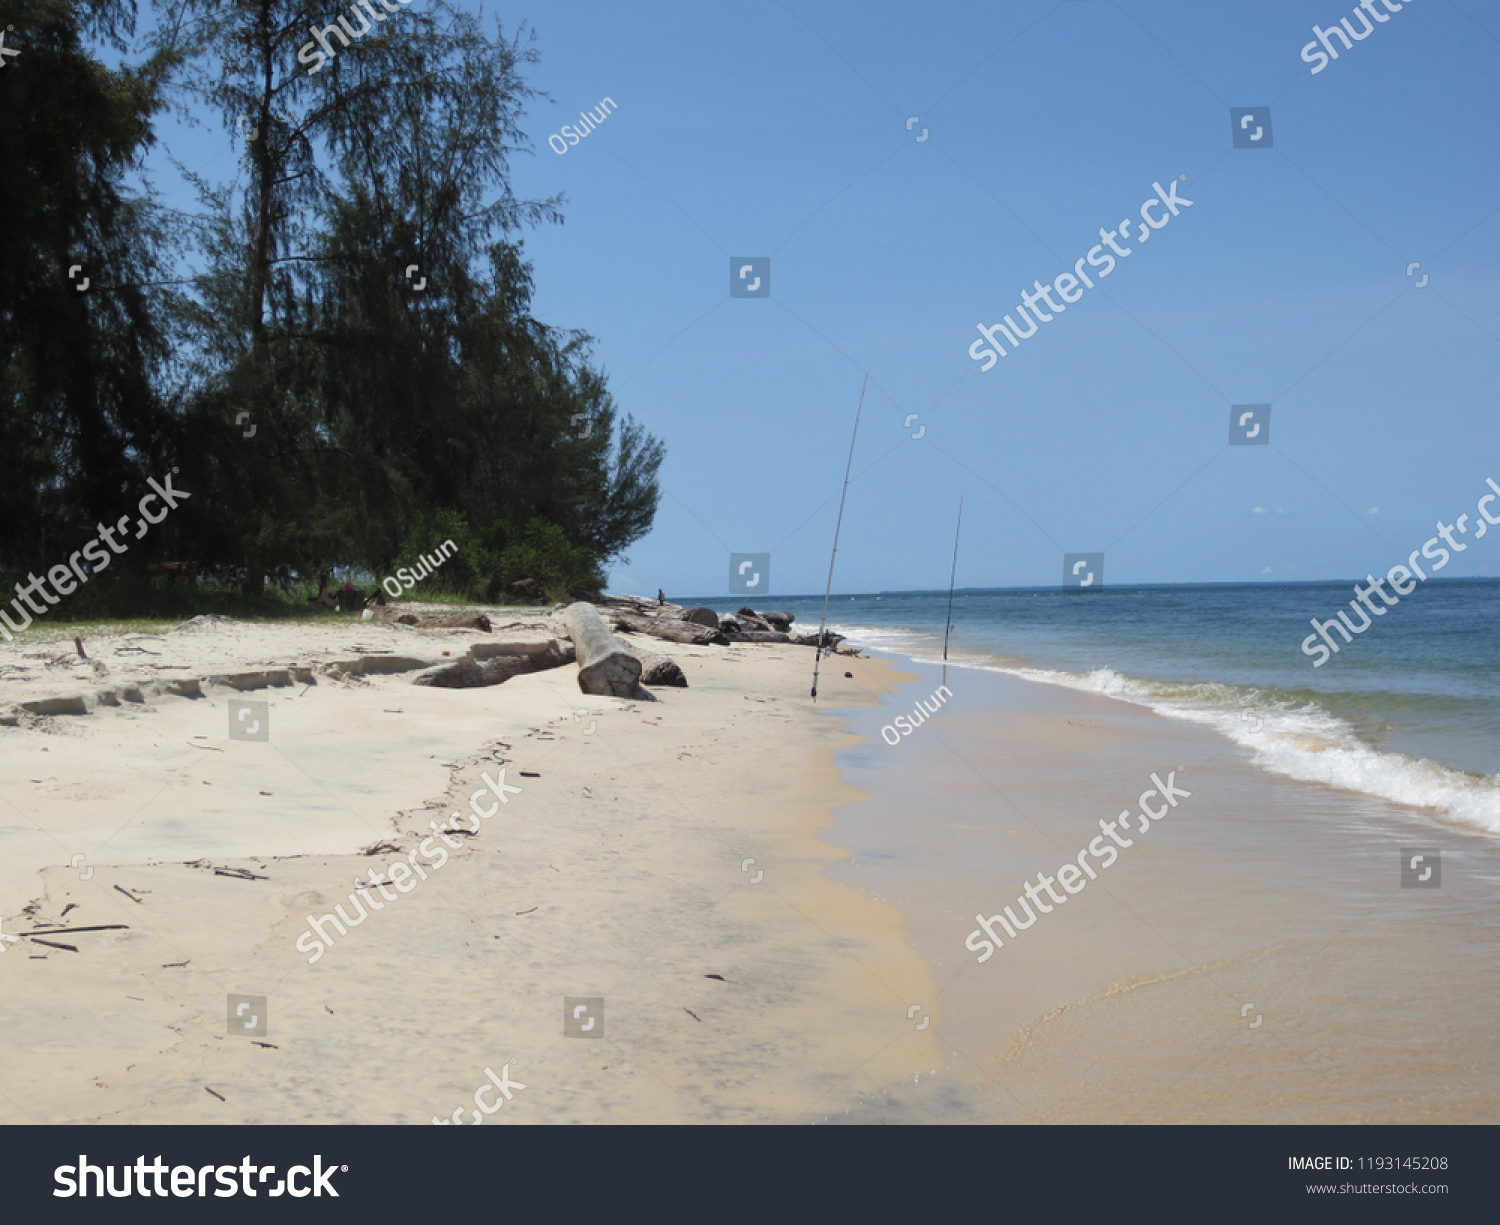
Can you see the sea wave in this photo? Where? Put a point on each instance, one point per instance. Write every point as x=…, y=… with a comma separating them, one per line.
x=1291, y=734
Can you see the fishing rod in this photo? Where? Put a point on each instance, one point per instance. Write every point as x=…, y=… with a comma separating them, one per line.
x=828, y=591
x=952, y=578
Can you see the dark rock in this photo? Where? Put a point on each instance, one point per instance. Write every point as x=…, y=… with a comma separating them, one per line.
x=778, y=620
x=702, y=616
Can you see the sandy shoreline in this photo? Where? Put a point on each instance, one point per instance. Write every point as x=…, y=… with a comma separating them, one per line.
x=814, y=983
x=615, y=872
x=1252, y=957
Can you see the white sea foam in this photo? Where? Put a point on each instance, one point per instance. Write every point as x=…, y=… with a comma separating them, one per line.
x=1299, y=740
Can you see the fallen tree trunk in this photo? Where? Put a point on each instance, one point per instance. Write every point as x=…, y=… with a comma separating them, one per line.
x=829, y=639
x=639, y=604
x=659, y=670
x=672, y=631
x=451, y=621
x=471, y=673
x=604, y=666
x=760, y=636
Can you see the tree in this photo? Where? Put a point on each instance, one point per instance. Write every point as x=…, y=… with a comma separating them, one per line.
x=80, y=420
x=368, y=303
x=359, y=297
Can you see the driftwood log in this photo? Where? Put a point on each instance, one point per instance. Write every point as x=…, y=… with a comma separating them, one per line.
x=659, y=670
x=471, y=673
x=639, y=604
x=671, y=630
x=448, y=621
x=829, y=639
x=604, y=666
x=761, y=636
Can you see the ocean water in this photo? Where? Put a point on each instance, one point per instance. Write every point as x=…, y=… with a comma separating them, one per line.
x=1409, y=711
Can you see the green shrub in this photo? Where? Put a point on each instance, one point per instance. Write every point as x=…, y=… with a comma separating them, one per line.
x=542, y=553
x=460, y=573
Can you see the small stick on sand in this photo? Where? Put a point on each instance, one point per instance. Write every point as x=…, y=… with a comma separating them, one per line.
x=239, y=874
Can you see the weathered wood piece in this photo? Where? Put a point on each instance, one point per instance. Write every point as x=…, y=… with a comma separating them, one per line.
x=638, y=604
x=829, y=639
x=472, y=673
x=671, y=630
x=659, y=670
x=604, y=666
x=456, y=621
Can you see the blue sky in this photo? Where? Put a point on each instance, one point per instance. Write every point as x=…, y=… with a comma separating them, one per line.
x=780, y=129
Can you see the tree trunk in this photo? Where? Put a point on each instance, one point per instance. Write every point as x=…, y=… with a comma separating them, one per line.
x=672, y=631
x=659, y=670
x=604, y=666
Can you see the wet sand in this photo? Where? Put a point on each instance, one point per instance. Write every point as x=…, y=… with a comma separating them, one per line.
x=1362, y=1001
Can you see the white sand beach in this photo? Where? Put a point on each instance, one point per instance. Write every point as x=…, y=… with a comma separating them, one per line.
x=732, y=991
